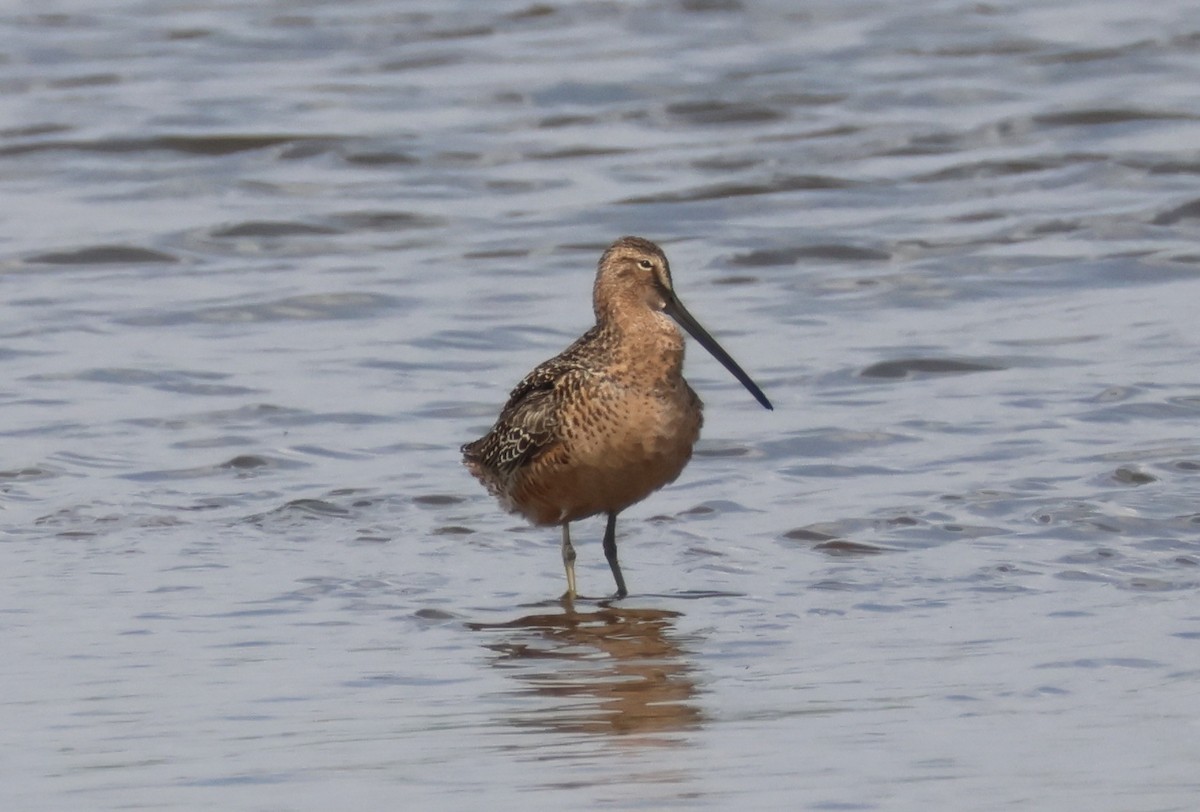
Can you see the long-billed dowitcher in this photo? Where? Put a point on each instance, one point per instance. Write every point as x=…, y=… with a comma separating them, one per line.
x=609, y=420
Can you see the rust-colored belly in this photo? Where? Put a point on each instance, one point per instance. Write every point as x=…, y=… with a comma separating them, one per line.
x=610, y=458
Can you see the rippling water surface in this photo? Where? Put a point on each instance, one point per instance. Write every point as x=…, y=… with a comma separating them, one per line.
x=264, y=266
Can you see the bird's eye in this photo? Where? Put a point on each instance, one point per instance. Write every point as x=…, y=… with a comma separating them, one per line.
x=645, y=264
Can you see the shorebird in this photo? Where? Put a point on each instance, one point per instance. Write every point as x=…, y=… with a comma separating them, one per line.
x=610, y=419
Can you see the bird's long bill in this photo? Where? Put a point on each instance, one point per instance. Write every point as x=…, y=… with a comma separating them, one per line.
x=675, y=309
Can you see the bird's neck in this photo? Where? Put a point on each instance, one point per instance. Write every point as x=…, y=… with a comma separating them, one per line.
x=648, y=343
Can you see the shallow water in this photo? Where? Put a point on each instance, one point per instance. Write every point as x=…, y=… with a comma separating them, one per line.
x=264, y=267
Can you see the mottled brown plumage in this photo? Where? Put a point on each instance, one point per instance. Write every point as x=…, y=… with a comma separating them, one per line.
x=610, y=419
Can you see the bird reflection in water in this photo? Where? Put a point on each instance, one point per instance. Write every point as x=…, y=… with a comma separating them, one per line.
x=614, y=671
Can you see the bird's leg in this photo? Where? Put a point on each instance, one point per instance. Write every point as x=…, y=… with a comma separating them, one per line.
x=610, y=552
x=568, y=554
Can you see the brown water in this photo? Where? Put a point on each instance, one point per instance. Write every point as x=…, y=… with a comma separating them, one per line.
x=265, y=266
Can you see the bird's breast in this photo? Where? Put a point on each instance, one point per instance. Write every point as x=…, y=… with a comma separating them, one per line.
x=627, y=445
x=625, y=427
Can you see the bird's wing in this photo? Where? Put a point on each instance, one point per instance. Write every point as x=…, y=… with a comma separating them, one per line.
x=530, y=422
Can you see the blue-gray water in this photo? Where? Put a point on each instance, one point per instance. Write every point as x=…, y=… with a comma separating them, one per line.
x=264, y=266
